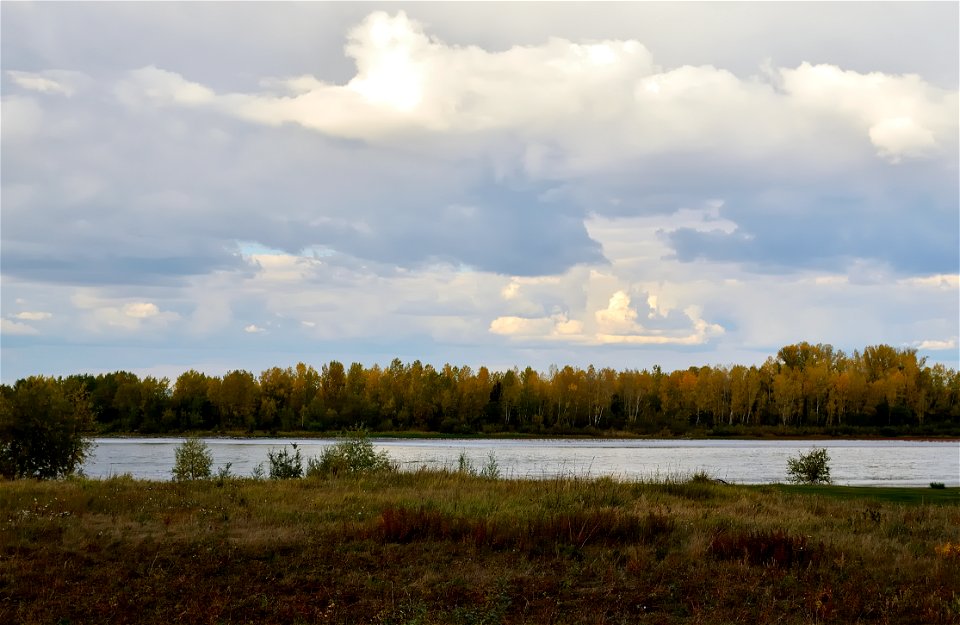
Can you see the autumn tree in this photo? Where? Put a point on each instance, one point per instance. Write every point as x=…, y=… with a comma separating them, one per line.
x=191, y=401
x=238, y=398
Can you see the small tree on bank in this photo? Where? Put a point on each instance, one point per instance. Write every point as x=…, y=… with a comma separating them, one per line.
x=284, y=465
x=193, y=460
x=810, y=468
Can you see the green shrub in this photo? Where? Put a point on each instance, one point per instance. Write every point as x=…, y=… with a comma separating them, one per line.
x=353, y=454
x=193, y=460
x=810, y=468
x=284, y=465
x=937, y=485
x=491, y=470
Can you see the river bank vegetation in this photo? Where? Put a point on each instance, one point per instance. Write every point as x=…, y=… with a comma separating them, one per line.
x=805, y=390
x=457, y=547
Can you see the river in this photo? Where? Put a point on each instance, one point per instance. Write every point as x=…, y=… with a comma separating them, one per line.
x=852, y=462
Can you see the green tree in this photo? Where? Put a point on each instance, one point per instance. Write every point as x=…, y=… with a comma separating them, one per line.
x=193, y=460
x=43, y=427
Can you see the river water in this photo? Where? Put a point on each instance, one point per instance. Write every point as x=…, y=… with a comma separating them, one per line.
x=852, y=462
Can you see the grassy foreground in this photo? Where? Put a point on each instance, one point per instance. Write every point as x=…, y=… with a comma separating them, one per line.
x=446, y=547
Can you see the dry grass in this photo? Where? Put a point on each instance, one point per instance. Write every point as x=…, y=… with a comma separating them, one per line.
x=443, y=547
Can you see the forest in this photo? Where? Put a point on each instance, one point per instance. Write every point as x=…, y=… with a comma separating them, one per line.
x=805, y=389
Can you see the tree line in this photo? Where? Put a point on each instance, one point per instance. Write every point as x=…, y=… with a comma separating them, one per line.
x=803, y=388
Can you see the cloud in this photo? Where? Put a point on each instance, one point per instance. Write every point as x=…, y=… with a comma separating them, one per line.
x=594, y=115
x=625, y=186
x=581, y=106
x=100, y=313
x=618, y=316
x=22, y=118
x=33, y=316
x=460, y=172
x=935, y=345
x=150, y=84
x=16, y=328
x=50, y=82
x=556, y=327
x=614, y=324
x=285, y=267
x=897, y=137
x=39, y=83
x=940, y=281
x=396, y=87
x=518, y=326
x=253, y=329
x=702, y=332
x=140, y=310
x=617, y=324
x=904, y=114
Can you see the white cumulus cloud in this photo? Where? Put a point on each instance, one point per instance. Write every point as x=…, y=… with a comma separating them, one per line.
x=140, y=310
x=581, y=105
x=904, y=115
x=935, y=345
x=618, y=316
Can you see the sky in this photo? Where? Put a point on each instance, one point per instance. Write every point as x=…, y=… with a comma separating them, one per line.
x=221, y=186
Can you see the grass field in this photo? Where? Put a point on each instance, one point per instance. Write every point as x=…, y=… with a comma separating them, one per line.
x=448, y=547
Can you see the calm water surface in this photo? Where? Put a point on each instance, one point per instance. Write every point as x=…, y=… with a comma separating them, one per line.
x=852, y=462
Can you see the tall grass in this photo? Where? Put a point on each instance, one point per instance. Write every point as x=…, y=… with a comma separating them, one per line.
x=453, y=547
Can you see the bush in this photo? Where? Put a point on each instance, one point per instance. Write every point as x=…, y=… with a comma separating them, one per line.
x=224, y=475
x=464, y=465
x=491, y=470
x=354, y=454
x=810, y=468
x=43, y=422
x=701, y=477
x=284, y=465
x=937, y=485
x=193, y=460
x=257, y=472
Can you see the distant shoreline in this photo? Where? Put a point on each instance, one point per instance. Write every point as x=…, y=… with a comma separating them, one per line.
x=516, y=436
